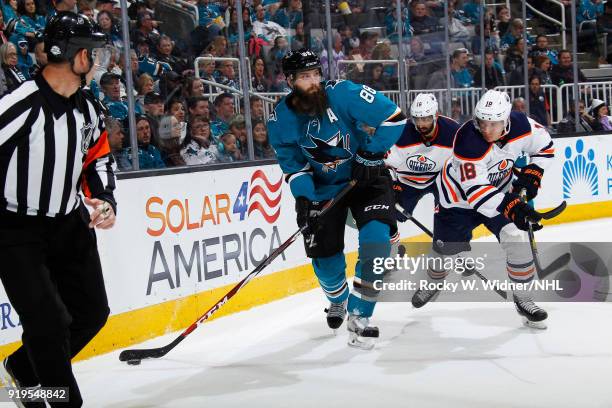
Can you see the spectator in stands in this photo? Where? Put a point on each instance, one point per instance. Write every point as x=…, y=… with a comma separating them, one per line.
x=9, y=10
x=519, y=105
x=382, y=51
x=257, y=108
x=149, y=157
x=298, y=40
x=198, y=106
x=170, y=85
x=145, y=31
x=210, y=17
x=457, y=112
x=232, y=29
x=154, y=108
x=589, y=10
x=259, y=76
x=289, y=14
x=264, y=28
x=198, y=147
x=170, y=138
x=192, y=87
x=226, y=74
x=237, y=127
x=111, y=87
x=541, y=48
x=13, y=77
x=563, y=73
x=30, y=22
x=107, y=23
x=367, y=42
x=461, y=77
x=261, y=144
x=277, y=53
x=421, y=65
x=176, y=108
x=144, y=85
x=515, y=33
x=538, y=104
x=224, y=110
x=40, y=58
x=491, y=39
x=568, y=123
x=514, y=56
x=116, y=137
x=599, y=112
x=393, y=26
x=24, y=60
x=503, y=18
x=373, y=77
x=338, y=55
x=207, y=71
x=604, y=21
x=457, y=31
x=472, y=10
x=542, y=69
x=494, y=76
x=349, y=40
x=218, y=47
x=165, y=47
x=517, y=77
x=228, y=149
x=420, y=21
x=3, y=35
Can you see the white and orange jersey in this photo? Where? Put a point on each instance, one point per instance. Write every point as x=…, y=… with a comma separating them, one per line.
x=417, y=163
x=479, y=173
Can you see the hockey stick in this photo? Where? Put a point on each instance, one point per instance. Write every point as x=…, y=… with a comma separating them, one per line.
x=135, y=356
x=560, y=261
x=426, y=230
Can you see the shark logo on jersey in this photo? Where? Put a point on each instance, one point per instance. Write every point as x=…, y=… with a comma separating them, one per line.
x=332, y=83
x=331, y=153
x=419, y=163
x=500, y=171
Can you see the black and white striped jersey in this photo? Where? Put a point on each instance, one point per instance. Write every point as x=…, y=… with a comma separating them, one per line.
x=51, y=149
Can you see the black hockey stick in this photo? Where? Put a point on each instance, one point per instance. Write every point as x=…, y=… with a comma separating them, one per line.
x=560, y=261
x=426, y=230
x=135, y=356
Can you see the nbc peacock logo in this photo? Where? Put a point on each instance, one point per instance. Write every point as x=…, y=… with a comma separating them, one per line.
x=580, y=175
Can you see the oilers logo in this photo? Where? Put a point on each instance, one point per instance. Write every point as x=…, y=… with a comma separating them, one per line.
x=500, y=171
x=419, y=163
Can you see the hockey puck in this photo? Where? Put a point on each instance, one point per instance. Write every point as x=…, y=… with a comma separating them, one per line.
x=134, y=362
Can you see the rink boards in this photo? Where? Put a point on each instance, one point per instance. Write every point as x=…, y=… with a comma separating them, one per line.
x=183, y=240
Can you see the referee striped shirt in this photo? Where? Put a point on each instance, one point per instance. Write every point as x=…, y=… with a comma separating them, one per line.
x=51, y=149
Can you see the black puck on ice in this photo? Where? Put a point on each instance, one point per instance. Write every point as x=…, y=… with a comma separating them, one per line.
x=134, y=362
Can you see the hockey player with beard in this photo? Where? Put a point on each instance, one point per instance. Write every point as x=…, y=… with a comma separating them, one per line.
x=420, y=153
x=476, y=187
x=317, y=133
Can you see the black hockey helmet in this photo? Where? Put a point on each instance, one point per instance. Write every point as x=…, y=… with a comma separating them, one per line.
x=300, y=60
x=67, y=33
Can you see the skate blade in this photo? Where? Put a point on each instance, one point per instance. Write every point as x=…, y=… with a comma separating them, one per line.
x=334, y=332
x=535, y=325
x=362, y=343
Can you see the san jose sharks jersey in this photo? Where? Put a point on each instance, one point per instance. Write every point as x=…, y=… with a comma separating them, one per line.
x=478, y=173
x=316, y=153
x=417, y=163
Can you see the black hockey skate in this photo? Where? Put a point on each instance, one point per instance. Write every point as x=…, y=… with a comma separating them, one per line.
x=533, y=315
x=361, y=334
x=422, y=296
x=335, y=315
x=8, y=380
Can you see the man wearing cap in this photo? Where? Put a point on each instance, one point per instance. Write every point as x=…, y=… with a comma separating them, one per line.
x=111, y=86
x=154, y=107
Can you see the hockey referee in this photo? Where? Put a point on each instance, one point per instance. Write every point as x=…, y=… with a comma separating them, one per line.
x=53, y=150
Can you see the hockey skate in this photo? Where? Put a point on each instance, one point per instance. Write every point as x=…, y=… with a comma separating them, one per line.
x=533, y=316
x=423, y=296
x=336, y=312
x=9, y=381
x=361, y=334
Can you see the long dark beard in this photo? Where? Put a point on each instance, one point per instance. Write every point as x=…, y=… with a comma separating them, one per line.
x=308, y=103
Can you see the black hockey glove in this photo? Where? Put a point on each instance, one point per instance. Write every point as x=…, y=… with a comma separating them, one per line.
x=368, y=168
x=519, y=212
x=530, y=179
x=398, y=189
x=307, y=214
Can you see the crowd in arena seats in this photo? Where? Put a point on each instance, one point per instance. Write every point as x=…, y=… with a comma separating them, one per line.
x=188, y=114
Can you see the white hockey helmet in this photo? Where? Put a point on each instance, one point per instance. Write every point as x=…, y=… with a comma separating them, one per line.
x=425, y=104
x=494, y=106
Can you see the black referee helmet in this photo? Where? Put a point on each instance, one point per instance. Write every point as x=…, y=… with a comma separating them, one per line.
x=300, y=60
x=67, y=33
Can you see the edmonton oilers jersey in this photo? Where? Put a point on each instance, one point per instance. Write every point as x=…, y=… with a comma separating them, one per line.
x=417, y=163
x=478, y=173
x=316, y=153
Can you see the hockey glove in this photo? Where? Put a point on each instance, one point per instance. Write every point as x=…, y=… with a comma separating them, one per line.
x=519, y=212
x=398, y=189
x=307, y=214
x=368, y=168
x=530, y=179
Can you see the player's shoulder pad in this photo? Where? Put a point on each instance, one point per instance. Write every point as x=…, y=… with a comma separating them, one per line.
x=519, y=126
x=448, y=127
x=410, y=136
x=282, y=124
x=469, y=143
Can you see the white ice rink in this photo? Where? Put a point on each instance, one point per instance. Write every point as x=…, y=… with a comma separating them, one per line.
x=445, y=355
